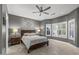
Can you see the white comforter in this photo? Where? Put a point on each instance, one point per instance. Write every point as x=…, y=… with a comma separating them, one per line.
x=31, y=40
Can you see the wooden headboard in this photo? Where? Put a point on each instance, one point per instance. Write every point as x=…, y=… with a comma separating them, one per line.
x=27, y=31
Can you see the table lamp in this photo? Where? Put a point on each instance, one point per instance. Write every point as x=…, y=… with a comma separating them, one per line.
x=15, y=31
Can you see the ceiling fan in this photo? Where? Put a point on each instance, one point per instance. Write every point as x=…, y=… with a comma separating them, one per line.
x=42, y=10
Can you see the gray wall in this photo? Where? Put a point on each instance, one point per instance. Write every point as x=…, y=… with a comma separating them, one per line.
x=22, y=23
x=77, y=24
x=0, y=29
x=67, y=17
x=3, y=27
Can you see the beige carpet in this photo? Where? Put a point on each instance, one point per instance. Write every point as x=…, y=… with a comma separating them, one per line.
x=55, y=48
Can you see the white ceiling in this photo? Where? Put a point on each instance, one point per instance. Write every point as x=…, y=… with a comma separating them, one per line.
x=25, y=10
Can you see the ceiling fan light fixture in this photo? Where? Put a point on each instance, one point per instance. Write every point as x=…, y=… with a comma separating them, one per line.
x=42, y=10
x=53, y=14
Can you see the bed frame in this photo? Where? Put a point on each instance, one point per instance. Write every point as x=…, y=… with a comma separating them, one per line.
x=27, y=31
x=36, y=45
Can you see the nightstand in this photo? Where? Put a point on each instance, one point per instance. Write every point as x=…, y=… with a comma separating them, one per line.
x=14, y=40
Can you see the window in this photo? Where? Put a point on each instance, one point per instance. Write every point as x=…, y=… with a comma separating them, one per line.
x=48, y=29
x=59, y=29
x=62, y=29
x=54, y=30
x=71, y=29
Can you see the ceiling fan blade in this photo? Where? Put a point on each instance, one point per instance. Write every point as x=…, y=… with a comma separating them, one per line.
x=47, y=8
x=36, y=12
x=38, y=7
x=41, y=8
x=46, y=13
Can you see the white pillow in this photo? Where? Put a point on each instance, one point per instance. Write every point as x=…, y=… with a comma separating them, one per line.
x=29, y=34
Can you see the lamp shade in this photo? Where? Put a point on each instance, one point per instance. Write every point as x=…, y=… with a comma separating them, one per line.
x=38, y=30
x=15, y=30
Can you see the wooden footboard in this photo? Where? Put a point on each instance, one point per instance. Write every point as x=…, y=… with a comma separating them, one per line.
x=36, y=46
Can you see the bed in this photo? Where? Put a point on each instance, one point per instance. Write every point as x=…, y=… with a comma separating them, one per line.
x=32, y=40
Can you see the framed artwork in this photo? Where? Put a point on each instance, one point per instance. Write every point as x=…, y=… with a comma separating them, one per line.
x=48, y=29
x=71, y=29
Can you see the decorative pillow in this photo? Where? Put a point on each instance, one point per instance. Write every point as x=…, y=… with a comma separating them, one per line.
x=26, y=34
x=29, y=34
